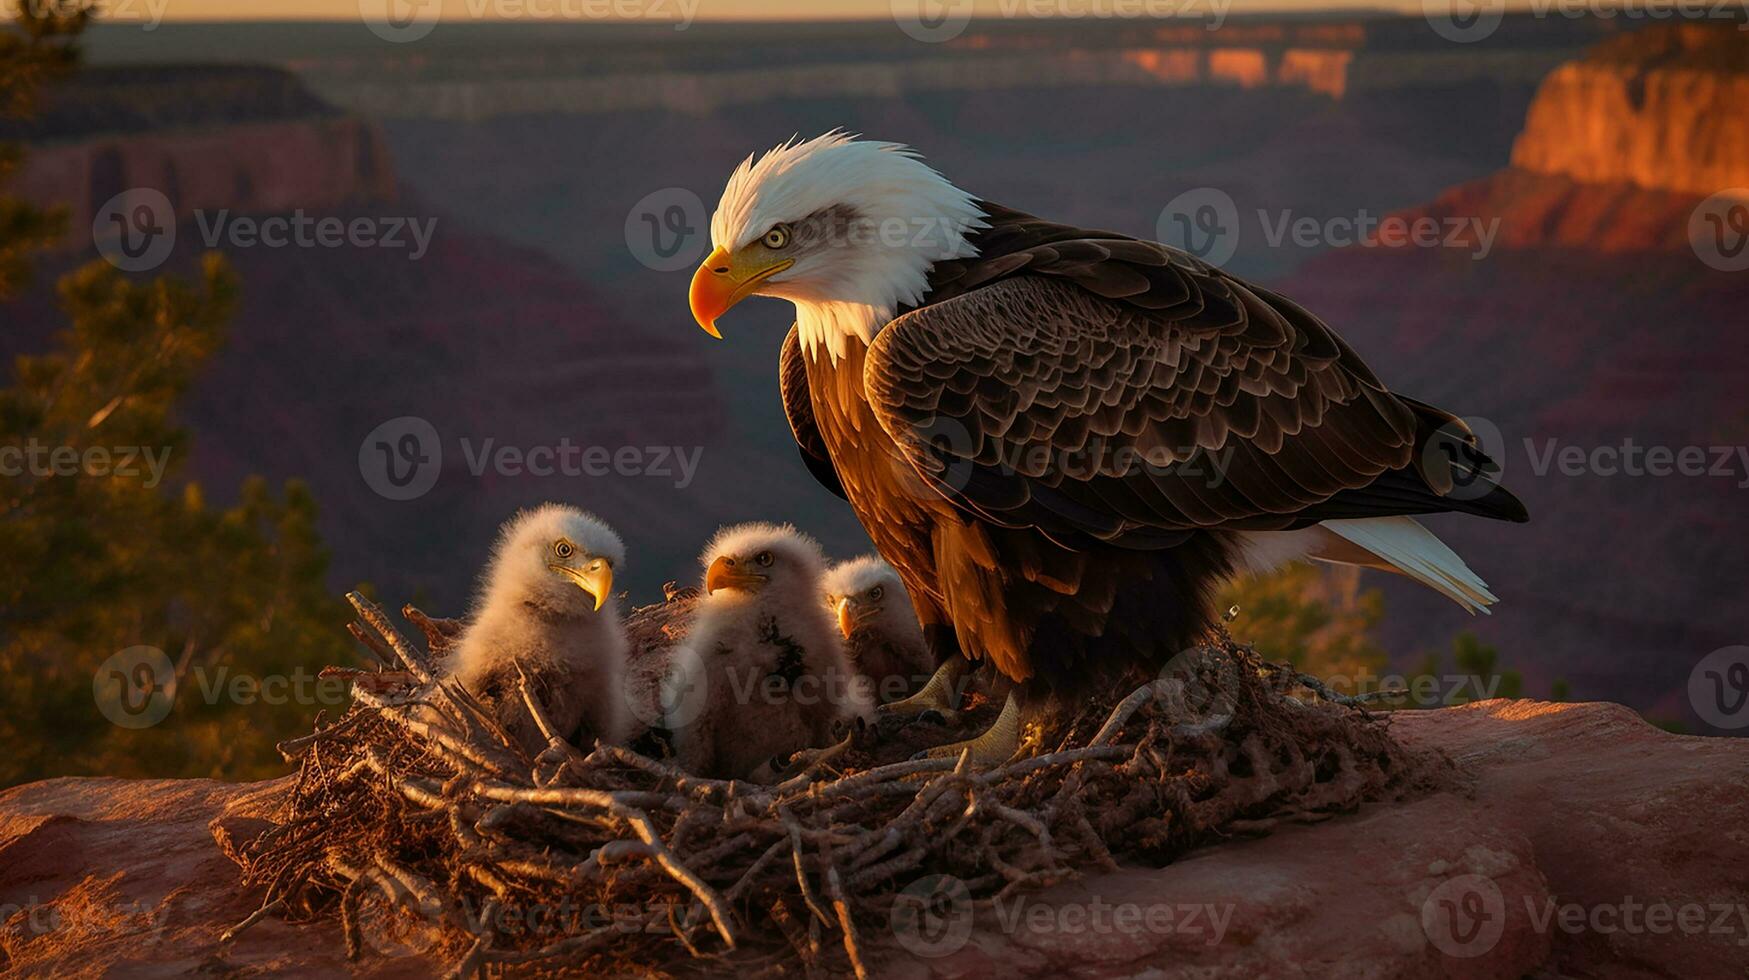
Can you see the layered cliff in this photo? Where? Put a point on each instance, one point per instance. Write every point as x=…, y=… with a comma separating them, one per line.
x=1661, y=109
x=506, y=354
x=240, y=139
x=1596, y=328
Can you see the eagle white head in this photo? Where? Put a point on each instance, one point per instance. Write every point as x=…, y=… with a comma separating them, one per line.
x=846, y=229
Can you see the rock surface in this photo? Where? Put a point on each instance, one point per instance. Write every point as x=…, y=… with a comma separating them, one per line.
x=1584, y=843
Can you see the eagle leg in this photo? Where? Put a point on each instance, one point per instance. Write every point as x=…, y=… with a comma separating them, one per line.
x=997, y=745
x=940, y=697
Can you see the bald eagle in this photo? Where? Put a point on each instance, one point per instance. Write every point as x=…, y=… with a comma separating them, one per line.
x=1065, y=440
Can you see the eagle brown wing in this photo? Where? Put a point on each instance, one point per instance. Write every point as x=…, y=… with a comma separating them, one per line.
x=798, y=407
x=1126, y=391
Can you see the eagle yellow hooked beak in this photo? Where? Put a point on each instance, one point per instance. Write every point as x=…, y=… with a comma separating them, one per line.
x=726, y=573
x=595, y=578
x=726, y=278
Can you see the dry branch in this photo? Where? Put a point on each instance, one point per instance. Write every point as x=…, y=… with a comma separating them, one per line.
x=640, y=867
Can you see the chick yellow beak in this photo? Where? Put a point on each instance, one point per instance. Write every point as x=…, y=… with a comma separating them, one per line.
x=723, y=280
x=595, y=578
x=726, y=573
x=846, y=617
x=852, y=614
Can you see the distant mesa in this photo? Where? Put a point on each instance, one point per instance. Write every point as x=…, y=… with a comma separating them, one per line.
x=1592, y=322
x=1619, y=146
x=1333, y=58
x=247, y=139
x=1662, y=109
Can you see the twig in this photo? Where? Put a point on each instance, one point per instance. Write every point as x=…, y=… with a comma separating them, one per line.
x=841, y=905
x=373, y=616
x=263, y=912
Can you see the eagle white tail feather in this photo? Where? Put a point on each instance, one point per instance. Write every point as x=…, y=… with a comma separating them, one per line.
x=1413, y=550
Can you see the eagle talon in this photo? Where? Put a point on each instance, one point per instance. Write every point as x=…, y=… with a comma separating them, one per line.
x=937, y=701
x=996, y=745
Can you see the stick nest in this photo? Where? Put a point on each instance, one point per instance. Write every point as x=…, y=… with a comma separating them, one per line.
x=421, y=827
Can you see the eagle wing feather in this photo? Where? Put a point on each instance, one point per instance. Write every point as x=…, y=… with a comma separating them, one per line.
x=1125, y=391
x=798, y=408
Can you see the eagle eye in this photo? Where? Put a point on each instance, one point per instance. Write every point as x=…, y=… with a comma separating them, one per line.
x=763, y=558
x=563, y=548
x=777, y=237
x=876, y=593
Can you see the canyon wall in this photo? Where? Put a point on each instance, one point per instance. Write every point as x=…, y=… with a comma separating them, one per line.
x=1595, y=323
x=492, y=344
x=1334, y=59
x=1662, y=109
x=266, y=167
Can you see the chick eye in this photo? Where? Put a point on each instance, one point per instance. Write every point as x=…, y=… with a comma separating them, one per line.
x=777, y=237
x=763, y=558
x=876, y=593
x=563, y=549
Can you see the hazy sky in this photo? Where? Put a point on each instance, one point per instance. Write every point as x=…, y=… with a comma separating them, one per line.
x=720, y=9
